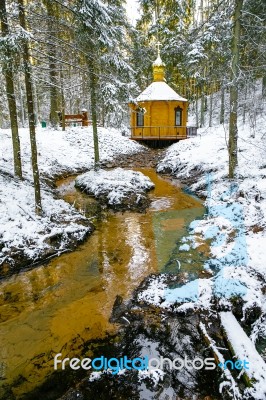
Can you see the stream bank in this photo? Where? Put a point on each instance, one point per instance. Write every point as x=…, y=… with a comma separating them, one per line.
x=169, y=333
x=24, y=238
x=153, y=332
x=96, y=313
x=16, y=259
x=61, y=306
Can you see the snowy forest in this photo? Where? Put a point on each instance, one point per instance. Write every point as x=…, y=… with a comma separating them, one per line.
x=116, y=249
x=67, y=56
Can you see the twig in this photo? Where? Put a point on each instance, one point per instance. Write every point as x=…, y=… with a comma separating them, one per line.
x=29, y=215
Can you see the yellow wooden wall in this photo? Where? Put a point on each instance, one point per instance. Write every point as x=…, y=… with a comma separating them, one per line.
x=158, y=114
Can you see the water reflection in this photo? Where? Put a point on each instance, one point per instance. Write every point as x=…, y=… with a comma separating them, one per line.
x=56, y=307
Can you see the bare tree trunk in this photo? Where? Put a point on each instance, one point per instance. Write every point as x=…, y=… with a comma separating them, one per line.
x=233, y=132
x=253, y=113
x=63, y=100
x=54, y=92
x=202, y=12
x=10, y=91
x=222, y=105
x=93, y=99
x=30, y=106
x=245, y=103
x=197, y=108
x=211, y=107
x=22, y=109
x=264, y=87
x=36, y=104
x=202, y=108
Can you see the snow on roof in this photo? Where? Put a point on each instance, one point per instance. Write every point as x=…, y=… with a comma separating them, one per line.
x=159, y=91
x=158, y=62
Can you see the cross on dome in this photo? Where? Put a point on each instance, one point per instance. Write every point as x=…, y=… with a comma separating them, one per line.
x=158, y=66
x=158, y=45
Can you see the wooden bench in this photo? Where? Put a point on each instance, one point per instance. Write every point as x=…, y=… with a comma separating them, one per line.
x=74, y=118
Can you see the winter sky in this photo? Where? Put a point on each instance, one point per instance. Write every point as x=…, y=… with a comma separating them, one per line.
x=132, y=8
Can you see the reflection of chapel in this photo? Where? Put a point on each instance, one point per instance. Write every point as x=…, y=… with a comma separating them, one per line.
x=159, y=113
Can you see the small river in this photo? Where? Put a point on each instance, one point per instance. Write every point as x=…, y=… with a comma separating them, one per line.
x=56, y=307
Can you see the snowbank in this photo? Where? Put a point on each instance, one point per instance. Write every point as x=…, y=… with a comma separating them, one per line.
x=118, y=188
x=237, y=209
x=25, y=238
x=196, y=294
x=65, y=152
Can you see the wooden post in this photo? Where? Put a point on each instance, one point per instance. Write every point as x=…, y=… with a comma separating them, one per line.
x=85, y=120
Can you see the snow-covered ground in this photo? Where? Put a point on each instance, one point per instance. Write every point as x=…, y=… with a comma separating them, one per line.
x=117, y=187
x=24, y=237
x=245, y=350
x=65, y=152
x=236, y=219
x=236, y=211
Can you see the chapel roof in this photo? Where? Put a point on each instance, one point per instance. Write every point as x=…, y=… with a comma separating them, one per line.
x=159, y=91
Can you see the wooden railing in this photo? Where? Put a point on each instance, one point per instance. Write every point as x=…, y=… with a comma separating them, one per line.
x=163, y=132
x=192, y=131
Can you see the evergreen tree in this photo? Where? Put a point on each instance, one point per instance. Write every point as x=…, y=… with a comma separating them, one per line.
x=101, y=35
x=253, y=55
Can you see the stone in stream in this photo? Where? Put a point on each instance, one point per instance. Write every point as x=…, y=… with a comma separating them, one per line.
x=119, y=189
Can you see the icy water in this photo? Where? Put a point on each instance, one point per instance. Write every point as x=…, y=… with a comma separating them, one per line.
x=56, y=307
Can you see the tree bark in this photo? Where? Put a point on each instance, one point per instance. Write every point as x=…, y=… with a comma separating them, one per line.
x=21, y=98
x=245, y=103
x=264, y=87
x=63, y=100
x=211, y=107
x=197, y=107
x=53, y=75
x=10, y=91
x=30, y=107
x=222, y=105
x=202, y=108
x=233, y=132
x=93, y=91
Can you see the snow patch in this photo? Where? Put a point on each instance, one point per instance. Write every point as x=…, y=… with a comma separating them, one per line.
x=116, y=185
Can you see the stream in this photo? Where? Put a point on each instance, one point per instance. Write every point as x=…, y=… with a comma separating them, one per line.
x=59, y=306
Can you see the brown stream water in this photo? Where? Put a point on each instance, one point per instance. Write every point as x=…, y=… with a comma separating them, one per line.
x=56, y=307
